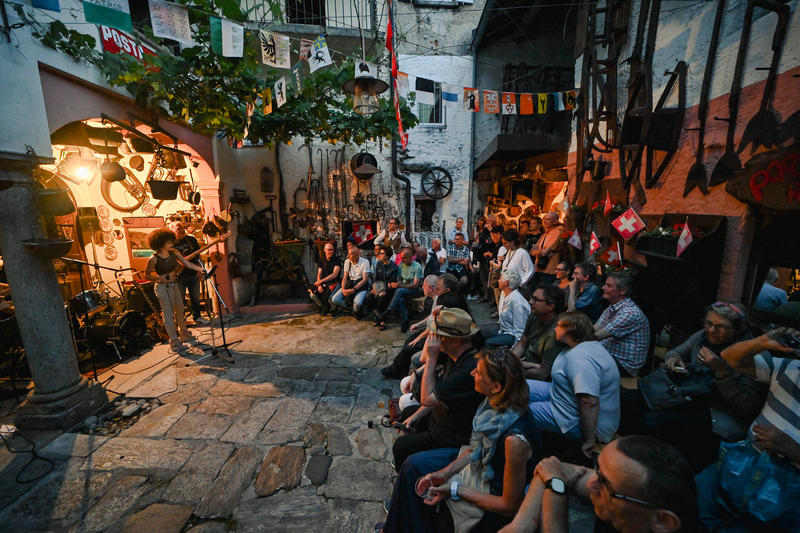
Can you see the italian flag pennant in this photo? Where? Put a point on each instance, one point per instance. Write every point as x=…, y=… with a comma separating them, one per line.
x=227, y=37
x=114, y=14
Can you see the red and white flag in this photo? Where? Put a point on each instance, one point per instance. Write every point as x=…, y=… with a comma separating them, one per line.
x=685, y=239
x=575, y=240
x=612, y=256
x=629, y=224
x=362, y=232
x=608, y=206
x=594, y=244
x=305, y=48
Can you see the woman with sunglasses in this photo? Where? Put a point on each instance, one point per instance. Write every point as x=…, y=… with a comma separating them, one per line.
x=724, y=413
x=483, y=483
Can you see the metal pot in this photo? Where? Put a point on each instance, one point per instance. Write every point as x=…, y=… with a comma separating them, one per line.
x=55, y=202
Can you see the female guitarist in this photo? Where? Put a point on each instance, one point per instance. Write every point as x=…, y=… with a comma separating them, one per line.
x=164, y=262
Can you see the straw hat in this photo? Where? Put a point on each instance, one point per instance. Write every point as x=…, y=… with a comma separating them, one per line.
x=455, y=323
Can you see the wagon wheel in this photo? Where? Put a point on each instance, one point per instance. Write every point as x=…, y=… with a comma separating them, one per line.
x=437, y=183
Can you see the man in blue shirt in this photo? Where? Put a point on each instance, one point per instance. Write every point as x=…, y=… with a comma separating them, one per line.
x=407, y=287
x=770, y=296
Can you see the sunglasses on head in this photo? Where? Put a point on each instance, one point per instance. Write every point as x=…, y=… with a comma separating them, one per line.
x=499, y=355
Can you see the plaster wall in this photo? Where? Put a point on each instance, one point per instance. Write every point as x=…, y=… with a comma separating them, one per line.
x=433, y=30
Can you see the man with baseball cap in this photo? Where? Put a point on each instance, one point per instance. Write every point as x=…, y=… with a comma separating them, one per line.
x=448, y=396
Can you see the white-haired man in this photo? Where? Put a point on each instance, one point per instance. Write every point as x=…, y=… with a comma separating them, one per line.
x=513, y=311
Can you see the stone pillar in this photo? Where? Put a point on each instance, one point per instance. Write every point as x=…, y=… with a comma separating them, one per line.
x=61, y=396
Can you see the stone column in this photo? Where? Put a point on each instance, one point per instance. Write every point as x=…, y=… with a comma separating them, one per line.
x=61, y=396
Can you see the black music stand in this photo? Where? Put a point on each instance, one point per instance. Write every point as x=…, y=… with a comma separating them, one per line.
x=225, y=346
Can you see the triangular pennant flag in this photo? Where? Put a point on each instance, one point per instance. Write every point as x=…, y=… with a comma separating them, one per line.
x=491, y=102
x=171, y=21
x=542, y=108
x=685, y=239
x=320, y=55
x=115, y=14
x=629, y=224
x=424, y=89
x=594, y=244
x=559, y=99
x=280, y=92
x=275, y=51
x=526, y=104
x=509, y=104
x=450, y=95
x=471, y=100
x=402, y=84
x=227, y=37
x=575, y=240
x=266, y=101
x=607, y=208
x=47, y=5
x=305, y=49
x=569, y=99
x=298, y=77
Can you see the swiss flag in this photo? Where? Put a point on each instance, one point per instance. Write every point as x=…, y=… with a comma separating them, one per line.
x=612, y=256
x=608, y=206
x=362, y=232
x=575, y=240
x=685, y=239
x=629, y=224
x=594, y=244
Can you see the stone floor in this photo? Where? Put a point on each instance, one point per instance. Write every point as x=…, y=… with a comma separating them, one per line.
x=277, y=441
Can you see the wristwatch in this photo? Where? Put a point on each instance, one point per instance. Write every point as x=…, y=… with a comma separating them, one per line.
x=454, y=490
x=557, y=485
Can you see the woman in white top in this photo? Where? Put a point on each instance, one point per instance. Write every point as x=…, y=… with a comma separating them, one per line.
x=517, y=258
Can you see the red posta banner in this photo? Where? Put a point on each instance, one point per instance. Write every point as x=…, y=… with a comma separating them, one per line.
x=118, y=42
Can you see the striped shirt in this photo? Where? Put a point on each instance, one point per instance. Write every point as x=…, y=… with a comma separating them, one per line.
x=630, y=334
x=782, y=408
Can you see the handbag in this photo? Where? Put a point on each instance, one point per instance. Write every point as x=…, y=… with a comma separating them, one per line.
x=394, y=413
x=662, y=390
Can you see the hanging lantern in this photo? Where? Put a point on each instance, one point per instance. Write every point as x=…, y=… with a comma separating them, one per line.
x=365, y=88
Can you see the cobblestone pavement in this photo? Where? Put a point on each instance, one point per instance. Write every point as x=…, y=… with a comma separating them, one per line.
x=279, y=441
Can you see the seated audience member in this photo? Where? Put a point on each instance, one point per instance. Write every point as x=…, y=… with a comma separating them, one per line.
x=384, y=273
x=355, y=283
x=434, y=288
x=398, y=257
x=548, y=250
x=406, y=288
x=459, y=228
x=438, y=257
x=420, y=253
x=449, y=399
x=513, y=310
x=770, y=296
x=622, y=328
x=638, y=485
x=724, y=412
x=487, y=252
x=538, y=347
x=483, y=483
x=584, y=294
x=564, y=278
x=458, y=259
x=329, y=274
x=516, y=258
x=756, y=482
x=582, y=402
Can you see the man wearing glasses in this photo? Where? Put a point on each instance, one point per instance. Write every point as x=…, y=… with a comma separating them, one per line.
x=392, y=236
x=639, y=485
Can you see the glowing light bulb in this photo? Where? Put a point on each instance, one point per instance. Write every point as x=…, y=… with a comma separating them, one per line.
x=83, y=172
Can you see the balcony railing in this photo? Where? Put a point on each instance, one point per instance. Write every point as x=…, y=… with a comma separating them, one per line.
x=344, y=14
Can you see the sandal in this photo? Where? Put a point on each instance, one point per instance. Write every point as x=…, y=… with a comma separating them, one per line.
x=382, y=326
x=376, y=321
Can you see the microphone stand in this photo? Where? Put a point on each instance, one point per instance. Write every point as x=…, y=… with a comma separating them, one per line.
x=216, y=350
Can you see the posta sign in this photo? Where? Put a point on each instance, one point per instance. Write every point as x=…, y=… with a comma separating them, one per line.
x=117, y=42
x=770, y=179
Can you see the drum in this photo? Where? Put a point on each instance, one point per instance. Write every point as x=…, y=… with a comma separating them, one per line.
x=127, y=330
x=85, y=302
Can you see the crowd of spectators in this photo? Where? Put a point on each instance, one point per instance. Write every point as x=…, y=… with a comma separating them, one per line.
x=710, y=441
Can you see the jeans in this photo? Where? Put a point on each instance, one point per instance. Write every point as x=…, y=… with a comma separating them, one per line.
x=399, y=301
x=358, y=300
x=172, y=310
x=193, y=284
x=495, y=339
x=540, y=407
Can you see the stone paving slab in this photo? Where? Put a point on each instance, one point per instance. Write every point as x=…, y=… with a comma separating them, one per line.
x=116, y=503
x=350, y=515
x=195, y=374
x=338, y=441
x=298, y=372
x=350, y=478
x=225, y=405
x=371, y=444
x=72, y=445
x=280, y=437
x=163, y=383
x=200, y=426
x=197, y=475
x=157, y=422
x=332, y=409
x=261, y=374
x=300, y=510
x=185, y=394
x=281, y=469
x=139, y=454
x=293, y=413
x=233, y=388
x=165, y=518
x=224, y=494
x=247, y=427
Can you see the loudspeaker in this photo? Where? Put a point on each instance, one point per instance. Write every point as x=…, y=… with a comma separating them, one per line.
x=88, y=219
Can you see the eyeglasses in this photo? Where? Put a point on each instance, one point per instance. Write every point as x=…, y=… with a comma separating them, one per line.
x=711, y=325
x=607, y=485
x=534, y=299
x=561, y=269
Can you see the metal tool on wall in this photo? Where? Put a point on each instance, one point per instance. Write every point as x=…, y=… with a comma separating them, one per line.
x=790, y=129
x=762, y=127
x=697, y=176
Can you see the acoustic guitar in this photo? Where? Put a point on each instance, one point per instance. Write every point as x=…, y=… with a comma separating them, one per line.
x=180, y=268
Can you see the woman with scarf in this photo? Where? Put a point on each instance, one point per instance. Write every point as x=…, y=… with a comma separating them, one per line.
x=724, y=413
x=483, y=484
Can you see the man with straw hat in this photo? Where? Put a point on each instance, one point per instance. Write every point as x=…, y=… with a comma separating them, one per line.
x=448, y=396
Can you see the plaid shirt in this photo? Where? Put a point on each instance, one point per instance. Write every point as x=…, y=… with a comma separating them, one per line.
x=458, y=253
x=630, y=334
